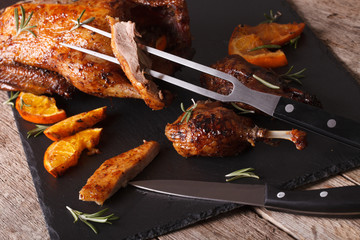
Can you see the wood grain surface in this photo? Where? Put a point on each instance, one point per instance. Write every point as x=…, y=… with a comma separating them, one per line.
x=335, y=22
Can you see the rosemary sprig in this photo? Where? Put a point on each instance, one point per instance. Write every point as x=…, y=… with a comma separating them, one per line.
x=12, y=98
x=243, y=111
x=23, y=23
x=245, y=172
x=272, y=17
x=188, y=112
x=294, y=76
x=269, y=46
x=269, y=85
x=37, y=131
x=78, y=23
x=94, y=217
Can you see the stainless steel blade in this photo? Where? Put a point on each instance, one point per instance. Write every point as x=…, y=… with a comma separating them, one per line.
x=247, y=194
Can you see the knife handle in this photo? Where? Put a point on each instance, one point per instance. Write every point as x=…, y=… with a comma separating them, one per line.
x=319, y=121
x=330, y=201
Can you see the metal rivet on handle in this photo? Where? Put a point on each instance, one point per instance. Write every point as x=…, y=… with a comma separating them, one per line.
x=324, y=194
x=331, y=123
x=280, y=194
x=289, y=108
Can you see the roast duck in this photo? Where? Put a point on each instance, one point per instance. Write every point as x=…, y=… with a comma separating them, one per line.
x=41, y=66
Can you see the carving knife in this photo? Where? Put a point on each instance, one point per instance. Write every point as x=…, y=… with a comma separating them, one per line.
x=330, y=201
x=303, y=115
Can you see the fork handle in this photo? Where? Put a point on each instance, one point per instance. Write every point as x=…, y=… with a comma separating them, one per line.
x=319, y=121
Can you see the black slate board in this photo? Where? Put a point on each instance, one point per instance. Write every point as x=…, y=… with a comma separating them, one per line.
x=146, y=215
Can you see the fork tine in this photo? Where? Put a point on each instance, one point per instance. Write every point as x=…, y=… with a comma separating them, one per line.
x=176, y=59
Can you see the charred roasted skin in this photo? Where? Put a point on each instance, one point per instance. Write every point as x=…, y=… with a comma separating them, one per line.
x=18, y=77
x=213, y=130
x=238, y=67
x=88, y=74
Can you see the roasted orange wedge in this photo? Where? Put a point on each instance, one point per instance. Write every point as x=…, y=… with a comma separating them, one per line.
x=245, y=38
x=74, y=124
x=275, y=33
x=63, y=154
x=38, y=109
x=241, y=45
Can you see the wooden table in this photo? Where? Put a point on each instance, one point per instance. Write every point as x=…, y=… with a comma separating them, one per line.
x=337, y=23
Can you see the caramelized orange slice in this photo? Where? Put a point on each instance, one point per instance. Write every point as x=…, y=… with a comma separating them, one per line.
x=38, y=109
x=74, y=124
x=245, y=38
x=65, y=153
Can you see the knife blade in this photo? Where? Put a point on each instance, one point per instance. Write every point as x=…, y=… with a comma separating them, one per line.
x=329, y=201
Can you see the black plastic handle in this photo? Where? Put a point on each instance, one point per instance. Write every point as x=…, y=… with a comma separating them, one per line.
x=331, y=201
x=319, y=121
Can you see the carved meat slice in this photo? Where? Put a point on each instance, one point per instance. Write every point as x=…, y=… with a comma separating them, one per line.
x=116, y=172
x=134, y=62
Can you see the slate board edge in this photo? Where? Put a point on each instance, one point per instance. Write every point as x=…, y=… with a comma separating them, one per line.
x=184, y=222
x=329, y=171
x=34, y=174
x=194, y=218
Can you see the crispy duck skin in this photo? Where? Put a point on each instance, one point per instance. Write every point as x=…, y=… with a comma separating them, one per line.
x=88, y=74
x=116, y=172
x=238, y=67
x=18, y=77
x=216, y=131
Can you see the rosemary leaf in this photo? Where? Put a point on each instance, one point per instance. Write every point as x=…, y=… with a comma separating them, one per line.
x=16, y=17
x=243, y=175
x=22, y=104
x=97, y=219
x=269, y=85
x=97, y=214
x=89, y=225
x=12, y=97
x=243, y=111
x=270, y=46
x=237, y=172
x=294, y=42
x=22, y=15
x=89, y=20
x=73, y=214
x=37, y=131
